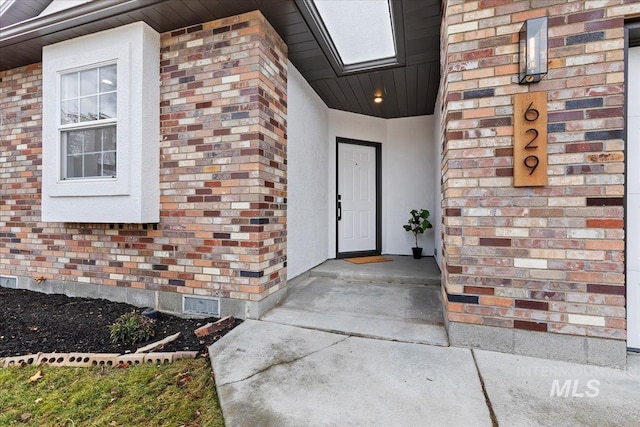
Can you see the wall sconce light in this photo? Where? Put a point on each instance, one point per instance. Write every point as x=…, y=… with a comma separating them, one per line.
x=533, y=50
x=377, y=99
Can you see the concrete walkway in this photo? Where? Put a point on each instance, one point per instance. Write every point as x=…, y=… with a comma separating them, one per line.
x=277, y=375
x=364, y=345
x=398, y=311
x=397, y=300
x=402, y=269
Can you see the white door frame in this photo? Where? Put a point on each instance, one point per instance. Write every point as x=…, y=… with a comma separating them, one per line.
x=378, y=227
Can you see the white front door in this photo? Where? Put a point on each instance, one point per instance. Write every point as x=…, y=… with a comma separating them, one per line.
x=633, y=200
x=356, y=201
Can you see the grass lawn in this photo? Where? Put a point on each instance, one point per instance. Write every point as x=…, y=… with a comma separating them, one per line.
x=176, y=394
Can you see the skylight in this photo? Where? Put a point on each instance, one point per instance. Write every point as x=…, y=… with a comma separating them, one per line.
x=361, y=30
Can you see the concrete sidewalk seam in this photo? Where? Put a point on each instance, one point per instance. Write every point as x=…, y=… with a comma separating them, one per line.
x=492, y=414
x=284, y=362
x=358, y=335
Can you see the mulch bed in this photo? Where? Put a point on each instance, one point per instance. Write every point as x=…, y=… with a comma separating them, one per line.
x=32, y=322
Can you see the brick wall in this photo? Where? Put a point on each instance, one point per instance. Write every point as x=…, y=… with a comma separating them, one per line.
x=548, y=259
x=222, y=230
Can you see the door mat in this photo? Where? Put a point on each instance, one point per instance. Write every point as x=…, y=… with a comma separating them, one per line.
x=368, y=259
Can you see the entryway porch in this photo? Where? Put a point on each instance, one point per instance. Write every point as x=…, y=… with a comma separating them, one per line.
x=398, y=300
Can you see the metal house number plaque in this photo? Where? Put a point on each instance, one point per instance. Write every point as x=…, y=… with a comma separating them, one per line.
x=530, y=139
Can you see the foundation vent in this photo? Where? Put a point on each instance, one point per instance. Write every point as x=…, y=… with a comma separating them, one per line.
x=201, y=305
x=8, y=282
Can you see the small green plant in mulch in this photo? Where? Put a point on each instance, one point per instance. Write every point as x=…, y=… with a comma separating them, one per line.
x=131, y=328
x=176, y=394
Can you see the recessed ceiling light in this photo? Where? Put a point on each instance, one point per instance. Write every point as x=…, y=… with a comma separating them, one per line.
x=377, y=99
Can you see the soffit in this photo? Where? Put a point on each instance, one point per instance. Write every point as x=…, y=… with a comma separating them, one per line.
x=20, y=11
x=408, y=90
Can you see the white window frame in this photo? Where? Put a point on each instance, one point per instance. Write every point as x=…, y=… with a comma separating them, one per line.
x=118, y=54
x=133, y=195
x=84, y=125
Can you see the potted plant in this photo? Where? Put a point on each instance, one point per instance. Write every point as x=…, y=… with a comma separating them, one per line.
x=417, y=224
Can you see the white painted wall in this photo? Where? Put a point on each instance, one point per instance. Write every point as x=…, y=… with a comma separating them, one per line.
x=633, y=200
x=407, y=173
x=308, y=156
x=437, y=179
x=407, y=182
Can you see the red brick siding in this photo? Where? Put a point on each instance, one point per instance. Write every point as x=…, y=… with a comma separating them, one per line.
x=543, y=259
x=222, y=230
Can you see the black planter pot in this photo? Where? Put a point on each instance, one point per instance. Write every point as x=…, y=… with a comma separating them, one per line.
x=417, y=253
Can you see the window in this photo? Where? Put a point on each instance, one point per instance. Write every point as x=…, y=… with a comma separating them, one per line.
x=88, y=120
x=101, y=127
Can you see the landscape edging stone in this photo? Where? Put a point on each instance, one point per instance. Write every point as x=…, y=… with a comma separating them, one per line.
x=94, y=359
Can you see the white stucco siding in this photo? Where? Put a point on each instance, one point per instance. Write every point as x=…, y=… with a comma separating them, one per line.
x=633, y=201
x=133, y=195
x=307, y=158
x=437, y=174
x=407, y=182
x=407, y=173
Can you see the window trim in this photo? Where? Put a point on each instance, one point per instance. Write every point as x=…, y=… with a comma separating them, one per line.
x=120, y=55
x=132, y=197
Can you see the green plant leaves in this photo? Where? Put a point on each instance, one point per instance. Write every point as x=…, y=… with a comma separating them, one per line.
x=418, y=223
x=131, y=328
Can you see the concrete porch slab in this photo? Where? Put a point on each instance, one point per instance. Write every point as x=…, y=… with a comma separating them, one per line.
x=276, y=375
x=393, y=311
x=527, y=391
x=403, y=269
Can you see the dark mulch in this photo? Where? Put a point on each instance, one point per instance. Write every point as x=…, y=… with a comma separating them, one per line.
x=32, y=322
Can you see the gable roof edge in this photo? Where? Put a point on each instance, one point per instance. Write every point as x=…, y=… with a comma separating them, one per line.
x=83, y=14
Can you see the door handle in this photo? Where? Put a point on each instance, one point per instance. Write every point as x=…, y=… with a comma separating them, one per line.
x=339, y=206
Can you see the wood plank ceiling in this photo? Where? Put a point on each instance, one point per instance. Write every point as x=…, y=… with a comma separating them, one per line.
x=408, y=90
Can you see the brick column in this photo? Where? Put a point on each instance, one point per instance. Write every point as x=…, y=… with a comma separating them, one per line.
x=535, y=270
x=223, y=125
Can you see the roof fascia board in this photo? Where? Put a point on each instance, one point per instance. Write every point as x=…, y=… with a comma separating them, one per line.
x=69, y=18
